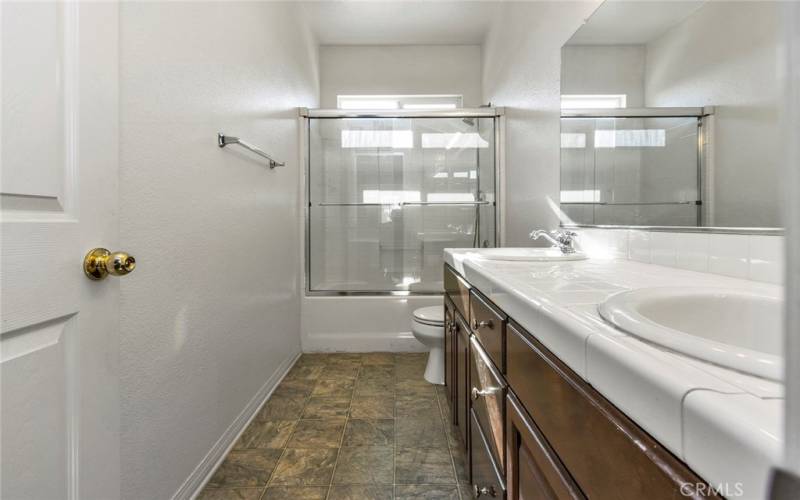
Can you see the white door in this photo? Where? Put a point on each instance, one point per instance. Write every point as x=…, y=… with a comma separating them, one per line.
x=59, y=401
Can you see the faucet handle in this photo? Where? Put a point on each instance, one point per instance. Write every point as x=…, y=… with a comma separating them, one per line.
x=566, y=239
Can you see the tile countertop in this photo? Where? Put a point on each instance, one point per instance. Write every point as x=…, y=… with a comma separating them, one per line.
x=727, y=426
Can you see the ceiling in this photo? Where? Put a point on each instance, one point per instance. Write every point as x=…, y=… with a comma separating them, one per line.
x=624, y=22
x=364, y=22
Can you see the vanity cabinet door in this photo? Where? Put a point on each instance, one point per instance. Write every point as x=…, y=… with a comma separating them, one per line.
x=606, y=453
x=461, y=417
x=487, y=478
x=534, y=471
x=448, y=349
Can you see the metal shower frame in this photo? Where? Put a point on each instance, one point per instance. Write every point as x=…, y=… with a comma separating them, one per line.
x=306, y=114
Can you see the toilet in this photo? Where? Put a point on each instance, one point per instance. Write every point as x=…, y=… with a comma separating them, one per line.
x=428, y=327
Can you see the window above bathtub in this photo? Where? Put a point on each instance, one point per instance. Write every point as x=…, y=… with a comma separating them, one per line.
x=411, y=102
x=593, y=101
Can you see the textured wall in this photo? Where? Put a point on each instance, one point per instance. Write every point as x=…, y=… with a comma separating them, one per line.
x=402, y=69
x=213, y=308
x=521, y=70
x=728, y=55
x=604, y=69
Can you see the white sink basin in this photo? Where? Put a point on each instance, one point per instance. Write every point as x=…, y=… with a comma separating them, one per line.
x=529, y=254
x=734, y=329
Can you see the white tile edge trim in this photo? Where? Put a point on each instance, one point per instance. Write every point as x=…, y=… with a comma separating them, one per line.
x=200, y=476
x=362, y=342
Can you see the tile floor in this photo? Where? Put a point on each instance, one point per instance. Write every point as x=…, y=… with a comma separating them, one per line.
x=348, y=426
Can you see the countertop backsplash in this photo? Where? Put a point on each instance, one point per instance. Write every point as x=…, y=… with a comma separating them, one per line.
x=748, y=256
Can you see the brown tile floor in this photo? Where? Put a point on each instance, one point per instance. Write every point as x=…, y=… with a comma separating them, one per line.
x=348, y=426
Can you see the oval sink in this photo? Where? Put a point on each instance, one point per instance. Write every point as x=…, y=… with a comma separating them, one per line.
x=734, y=329
x=529, y=254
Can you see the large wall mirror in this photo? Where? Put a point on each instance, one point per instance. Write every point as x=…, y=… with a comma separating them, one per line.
x=670, y=116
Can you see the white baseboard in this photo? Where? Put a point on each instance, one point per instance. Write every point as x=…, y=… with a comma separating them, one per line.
x=362, y=342
x=202, y=473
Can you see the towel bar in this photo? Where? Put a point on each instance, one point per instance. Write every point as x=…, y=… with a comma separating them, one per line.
x=223, y=140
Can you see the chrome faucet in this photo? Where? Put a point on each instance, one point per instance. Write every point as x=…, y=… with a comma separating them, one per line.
x=564, y=240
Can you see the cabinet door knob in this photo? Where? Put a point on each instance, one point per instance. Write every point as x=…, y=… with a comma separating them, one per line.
x=479, y=491
x=100, y=262
x=480, y=324
x=476, y=393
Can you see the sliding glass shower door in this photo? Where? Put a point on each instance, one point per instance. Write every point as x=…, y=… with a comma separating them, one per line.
x=387, y=195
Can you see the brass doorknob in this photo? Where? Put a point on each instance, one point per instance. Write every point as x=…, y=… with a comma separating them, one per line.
x=100, y=262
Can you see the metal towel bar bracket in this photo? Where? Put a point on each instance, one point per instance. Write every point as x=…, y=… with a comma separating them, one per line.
x=223, y=140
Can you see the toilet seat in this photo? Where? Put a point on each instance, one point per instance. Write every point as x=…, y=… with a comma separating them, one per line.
x=433, y=315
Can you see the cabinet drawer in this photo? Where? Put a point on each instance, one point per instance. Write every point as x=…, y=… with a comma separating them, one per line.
x=488, y=324
x=487, y=480
x=457, y=290
x=607, y=454
x=487, y=391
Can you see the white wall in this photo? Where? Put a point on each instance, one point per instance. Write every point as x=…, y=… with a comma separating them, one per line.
x=604, y=69
x=521, y=70
x=728, y=54
x=400, y=69
x=212, y=313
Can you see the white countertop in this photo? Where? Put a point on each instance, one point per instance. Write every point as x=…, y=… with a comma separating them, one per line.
x=727, y=426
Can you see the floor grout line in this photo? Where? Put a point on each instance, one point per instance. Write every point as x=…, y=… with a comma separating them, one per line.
x=398, y=365
x=394, y=426
x=445, y=423
x=286, y=443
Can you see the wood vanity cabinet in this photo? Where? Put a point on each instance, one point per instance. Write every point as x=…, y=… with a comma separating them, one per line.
x=488, y=394
x=532, y=427
x=461, y=362
x=488, y=325
x=449, y=345
x=457, y=289
x=487, y=477
x=606, y=453
x=534, y=470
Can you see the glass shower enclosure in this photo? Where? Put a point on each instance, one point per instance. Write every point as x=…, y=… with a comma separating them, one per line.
x=386, y=192
x=641, y=167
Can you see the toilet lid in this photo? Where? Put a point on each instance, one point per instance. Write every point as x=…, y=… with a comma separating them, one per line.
x=433, y=315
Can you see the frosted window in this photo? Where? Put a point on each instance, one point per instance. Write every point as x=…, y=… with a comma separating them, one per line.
x=593, y=101
x=410, y=102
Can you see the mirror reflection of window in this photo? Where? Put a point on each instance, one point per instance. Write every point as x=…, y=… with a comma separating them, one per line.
x=670, y=115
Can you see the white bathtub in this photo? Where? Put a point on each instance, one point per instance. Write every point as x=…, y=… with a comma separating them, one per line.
x=361, y=324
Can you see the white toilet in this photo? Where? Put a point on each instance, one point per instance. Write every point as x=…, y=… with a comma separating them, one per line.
x=428, y=328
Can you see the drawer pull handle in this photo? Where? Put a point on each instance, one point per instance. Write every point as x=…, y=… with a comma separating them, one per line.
x=480, y=324
x=476, y=393
x=479, y=491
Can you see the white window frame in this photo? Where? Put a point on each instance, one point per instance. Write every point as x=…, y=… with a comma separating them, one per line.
x=594, y=101
x=411, y=102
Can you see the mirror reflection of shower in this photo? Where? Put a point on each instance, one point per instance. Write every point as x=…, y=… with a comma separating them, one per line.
x=387, y=194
